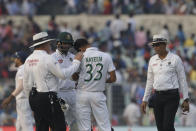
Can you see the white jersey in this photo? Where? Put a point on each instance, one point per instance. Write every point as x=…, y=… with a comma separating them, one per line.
x=94, y=69
x=19, y=77
x=64, y=62
x=43, y=72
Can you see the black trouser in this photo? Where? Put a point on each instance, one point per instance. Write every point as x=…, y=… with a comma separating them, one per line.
x=46, y=114
x=165, y=108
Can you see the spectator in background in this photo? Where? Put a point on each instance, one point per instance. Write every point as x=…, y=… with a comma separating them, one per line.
x=105, y=33
x=132, y=21
x=52, y=27
x=169, y=7
x=8, y=33
x=3, y=10
x=28, y=7
x=12, y=7
x=165, y=32
x=180, y=34
x=140, y=37
x=107, y=7
x=190, y=41
x=132, y=114
x=34, y=26
x=193, y=75
x=117, y=25
x=2, y=28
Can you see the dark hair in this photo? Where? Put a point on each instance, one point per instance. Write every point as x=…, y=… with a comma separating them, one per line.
x=80, y=43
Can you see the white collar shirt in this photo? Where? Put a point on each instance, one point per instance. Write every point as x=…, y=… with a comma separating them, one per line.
x=166, y=74
x=64, y=61
x=42, y=71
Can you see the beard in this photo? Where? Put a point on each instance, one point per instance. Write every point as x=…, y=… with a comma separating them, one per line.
x=64, y=51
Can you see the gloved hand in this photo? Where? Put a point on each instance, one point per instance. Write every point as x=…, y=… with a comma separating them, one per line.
x=64, y=105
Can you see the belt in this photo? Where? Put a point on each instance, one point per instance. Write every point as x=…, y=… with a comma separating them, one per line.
x=166, y=91
x=51, y=93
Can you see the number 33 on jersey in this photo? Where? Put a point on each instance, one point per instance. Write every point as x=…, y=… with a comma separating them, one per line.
x=94, y=68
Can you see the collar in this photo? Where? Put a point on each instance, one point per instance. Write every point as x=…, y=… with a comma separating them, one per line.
x=40, y=51
x=20, y=67
x=166, y=58
x=91, y=48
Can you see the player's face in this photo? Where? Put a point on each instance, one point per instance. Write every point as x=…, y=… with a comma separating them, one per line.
x=63, y=47
x=159, y=47
x=17, y=62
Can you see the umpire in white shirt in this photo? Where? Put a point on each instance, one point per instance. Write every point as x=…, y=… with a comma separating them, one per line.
x=41, y=73
x=166, y=75
x=66, y=87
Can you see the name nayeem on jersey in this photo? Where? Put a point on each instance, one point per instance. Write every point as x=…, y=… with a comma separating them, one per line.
x=93, y=59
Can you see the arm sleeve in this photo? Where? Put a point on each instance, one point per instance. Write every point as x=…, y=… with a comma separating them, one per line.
x=181, y=78
x=149, y=83
x=63, y=73
x=27, y=80
x=19, y=88
x=111, y=64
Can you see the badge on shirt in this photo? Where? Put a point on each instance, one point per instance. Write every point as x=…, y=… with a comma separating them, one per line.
x=154, y=64
x=60, y=61
x=70, y=59
x=169, y=63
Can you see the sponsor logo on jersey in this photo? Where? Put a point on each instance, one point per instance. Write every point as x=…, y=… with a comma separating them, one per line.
x=60, y=61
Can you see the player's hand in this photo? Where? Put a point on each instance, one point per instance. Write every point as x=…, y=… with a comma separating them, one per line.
x=6, y=101
x=143, y=107
x=185, y=106
x=79, y=56
x=75, y=76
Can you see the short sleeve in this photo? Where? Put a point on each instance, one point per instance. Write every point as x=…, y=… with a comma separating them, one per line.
x=111, y=64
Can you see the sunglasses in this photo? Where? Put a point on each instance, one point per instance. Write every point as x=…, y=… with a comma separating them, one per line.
x=156, y=45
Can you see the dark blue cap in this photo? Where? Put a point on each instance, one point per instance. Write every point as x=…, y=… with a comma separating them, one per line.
x=21, y=55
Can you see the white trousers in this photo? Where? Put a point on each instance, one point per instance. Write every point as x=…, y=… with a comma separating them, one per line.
x=95, y=103
x=70, y=98
x=25, y=119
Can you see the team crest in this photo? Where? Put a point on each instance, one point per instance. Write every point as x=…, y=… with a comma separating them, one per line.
x=68, y=37
x=169, y=63
x=70, y=59
x=60, y=61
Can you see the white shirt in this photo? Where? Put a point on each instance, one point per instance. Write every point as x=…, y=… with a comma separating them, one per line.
x=18, y=83
x=64, y=62
x=116, y=27
x=94, y=68
x=41, y=71
x=166, y=74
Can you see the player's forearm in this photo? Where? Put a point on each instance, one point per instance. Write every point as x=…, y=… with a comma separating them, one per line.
x=110, y=80
x=112, y=77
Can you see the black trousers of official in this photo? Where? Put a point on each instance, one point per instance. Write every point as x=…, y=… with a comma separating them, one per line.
x=46, y=114
x=165, y=108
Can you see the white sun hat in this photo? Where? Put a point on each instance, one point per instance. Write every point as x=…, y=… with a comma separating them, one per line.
x=159, y=38
x=40, y=38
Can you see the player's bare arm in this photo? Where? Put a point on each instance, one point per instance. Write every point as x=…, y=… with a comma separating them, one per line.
x=7, y=100
x=79, y=56
x=112, y=77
